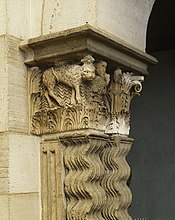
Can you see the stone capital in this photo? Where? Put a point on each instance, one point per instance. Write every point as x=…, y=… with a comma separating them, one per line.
x=83, y=78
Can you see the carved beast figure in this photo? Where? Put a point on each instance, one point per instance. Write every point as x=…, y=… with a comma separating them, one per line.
x=70, y=75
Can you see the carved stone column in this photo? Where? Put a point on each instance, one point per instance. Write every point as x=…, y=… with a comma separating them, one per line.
x=81, y=83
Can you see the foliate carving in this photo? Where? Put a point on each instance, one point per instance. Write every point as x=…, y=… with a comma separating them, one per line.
x=76, y=95
x=122, y=88
x=69, y=96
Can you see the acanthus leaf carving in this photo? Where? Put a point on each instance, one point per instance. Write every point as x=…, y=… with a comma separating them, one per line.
x=71, y=97
x=82, y=95
x=122, y=88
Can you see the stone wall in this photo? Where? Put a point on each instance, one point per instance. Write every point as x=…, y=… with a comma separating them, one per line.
x=126, y=20
x=19, y=157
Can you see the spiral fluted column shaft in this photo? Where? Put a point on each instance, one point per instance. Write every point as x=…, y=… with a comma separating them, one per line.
x=96, y=175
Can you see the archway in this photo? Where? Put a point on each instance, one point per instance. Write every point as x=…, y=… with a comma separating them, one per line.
x=153, y=155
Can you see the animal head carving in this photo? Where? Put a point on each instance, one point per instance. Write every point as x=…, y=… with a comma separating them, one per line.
x=88, y=68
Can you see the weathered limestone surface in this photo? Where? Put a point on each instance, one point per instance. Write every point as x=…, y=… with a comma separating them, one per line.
x=22, y=19
x=75, y=43
x=95, y=176
x=118, y=17
x=13, y=87
x=80, y=93
x=95, y=187
x=71, y=97
x=3, y=17
x=17, y=88
x=62, y=15
x=3, y=85
x=4, y=165
x=19, y=177
x=24, y=206
x=4, y=182
x=19, y=151
x=23, y=164
x=52, y=183
x=4, y=207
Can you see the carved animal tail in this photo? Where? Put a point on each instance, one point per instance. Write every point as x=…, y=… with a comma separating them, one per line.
x=53, y=71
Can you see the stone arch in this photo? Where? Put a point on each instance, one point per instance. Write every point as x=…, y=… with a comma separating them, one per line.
x=160, y=31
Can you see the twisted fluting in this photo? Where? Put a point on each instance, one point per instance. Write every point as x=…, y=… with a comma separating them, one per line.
x=96, y=177
x=84, y=173
x=115, y=181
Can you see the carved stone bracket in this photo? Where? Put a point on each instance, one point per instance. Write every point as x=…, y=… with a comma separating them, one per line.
x=82, y=78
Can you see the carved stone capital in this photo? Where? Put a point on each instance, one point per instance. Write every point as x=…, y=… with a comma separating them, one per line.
x=82, y=78
x=81, y=95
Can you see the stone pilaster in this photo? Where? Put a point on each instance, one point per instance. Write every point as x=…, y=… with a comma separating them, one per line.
x=52, y=174
x=81, y=83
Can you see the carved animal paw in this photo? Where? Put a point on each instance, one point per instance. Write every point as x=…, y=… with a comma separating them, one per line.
x=51, y=105
x=72, y=102
x=78, y=100
x=61, y=103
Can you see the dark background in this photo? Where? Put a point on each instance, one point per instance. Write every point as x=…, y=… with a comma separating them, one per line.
x=152, y=157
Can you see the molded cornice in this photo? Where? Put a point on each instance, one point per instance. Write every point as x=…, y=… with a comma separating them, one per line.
x=80, y=41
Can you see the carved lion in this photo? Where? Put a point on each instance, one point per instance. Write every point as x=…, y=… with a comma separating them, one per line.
x=70, y=75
